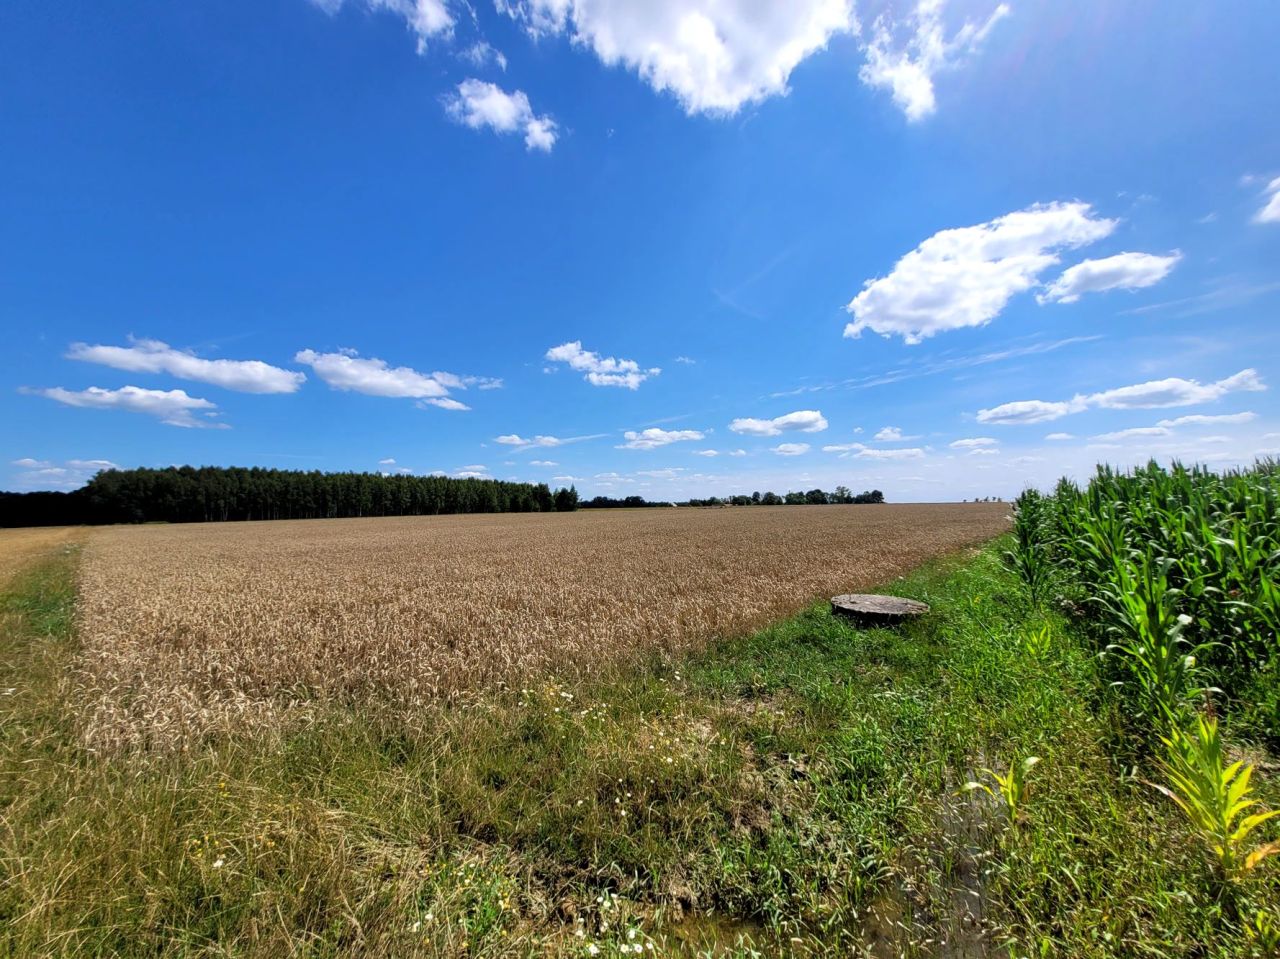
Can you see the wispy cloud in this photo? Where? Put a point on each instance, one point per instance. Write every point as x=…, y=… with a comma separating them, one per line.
x=153, y=356
x=171, y=407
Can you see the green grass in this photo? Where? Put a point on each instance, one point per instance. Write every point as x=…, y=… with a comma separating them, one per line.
x=798, y=791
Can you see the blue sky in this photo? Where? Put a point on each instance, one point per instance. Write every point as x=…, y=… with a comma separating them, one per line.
x=944, y=249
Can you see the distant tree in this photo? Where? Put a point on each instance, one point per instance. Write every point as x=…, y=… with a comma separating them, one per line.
x=755, y=497
x=771, y=499
x=816, y=497
x=793, y=498
x=566, y=500
x=842, y=495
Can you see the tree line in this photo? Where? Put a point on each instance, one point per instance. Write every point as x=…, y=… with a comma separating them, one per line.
x=814, y=497
x=187, y=494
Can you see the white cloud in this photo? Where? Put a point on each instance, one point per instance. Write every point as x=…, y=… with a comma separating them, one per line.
x=389, y=461
x=69, y=474
x=654, y=437
x=543, y=463
x=670, y=473
x=706, y=452
x=801, y=421
x=1155, y=394
x=347, y=370
x=687, y=361
x=964, y=277
x=479, y=104
x=1027, y=411
x=714, y=56
x=737, y=452
x=791, y=449
x=1133, y=433
x=892, y=434
x=974, y=443
x=903, y=454
x=1175, y=392
x=480, y=54
x=843, y=448
x=1059, y=437
x=907, y=68
x=1270, y=212
x=1124, y=271
x=444, y=402
x=153, y=356
x=518, y=441
x=424, y=18
x=173, y=407
x=1205, y=419
x=601, y=370
x=984, y=451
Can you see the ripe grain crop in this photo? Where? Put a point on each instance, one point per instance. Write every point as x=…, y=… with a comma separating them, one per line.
x=188, y=630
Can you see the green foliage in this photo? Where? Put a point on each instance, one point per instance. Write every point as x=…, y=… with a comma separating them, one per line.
x=1029, y=557
x=1178, y=562
x=1216, y=797
x=215, y=494
x=1010, y=788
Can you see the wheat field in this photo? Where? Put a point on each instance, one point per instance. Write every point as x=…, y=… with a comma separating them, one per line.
x=194, y=629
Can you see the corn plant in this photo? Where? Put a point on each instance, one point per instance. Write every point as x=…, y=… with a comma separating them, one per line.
x=1031, y=558
x=1038, y=645
x=1156, y=659
x=1216, y=798
x=1010, y=788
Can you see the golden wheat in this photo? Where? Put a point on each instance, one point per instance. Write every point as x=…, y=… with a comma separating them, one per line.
x=188, y=630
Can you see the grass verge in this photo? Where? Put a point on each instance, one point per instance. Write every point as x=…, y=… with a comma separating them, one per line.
x=797, y=791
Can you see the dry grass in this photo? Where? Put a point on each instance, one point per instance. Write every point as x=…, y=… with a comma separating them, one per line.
x=20, y=548
x=193, y=629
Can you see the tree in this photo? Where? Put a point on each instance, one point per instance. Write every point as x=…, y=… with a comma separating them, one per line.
x=567, y=500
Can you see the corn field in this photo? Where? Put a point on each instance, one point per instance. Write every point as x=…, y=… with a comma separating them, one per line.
x=192, y=629
x=1180, y=567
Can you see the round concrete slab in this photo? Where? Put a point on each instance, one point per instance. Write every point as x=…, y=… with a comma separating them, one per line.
x=869, y=609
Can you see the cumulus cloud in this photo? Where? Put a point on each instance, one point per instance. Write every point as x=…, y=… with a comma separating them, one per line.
x=1270, y=212
x=706, y=452
x=1175, y=392
x=791, y=449
x=974, y=442
x=1124, y=271
x=891, y=434
x=1154, y=394
x=801, y=421
x=153, y=356
x=521, y=443
x=713, y=56
x=1027, y=411
x=172, y=407
x=601, y=370
x=479, y=104
x=389, y=461
x=347, y=370
x=654, y=437
x=964, y=277
x=1059, y=437
x=737, y=452
x=904, y=58
x=424, y=18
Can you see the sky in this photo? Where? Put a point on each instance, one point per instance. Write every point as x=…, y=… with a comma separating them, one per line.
x=942, y=248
